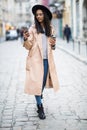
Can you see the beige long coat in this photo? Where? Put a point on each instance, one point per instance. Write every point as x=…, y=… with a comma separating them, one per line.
x=34, y=65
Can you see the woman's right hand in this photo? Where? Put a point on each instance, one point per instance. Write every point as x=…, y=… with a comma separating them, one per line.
x=25, y=34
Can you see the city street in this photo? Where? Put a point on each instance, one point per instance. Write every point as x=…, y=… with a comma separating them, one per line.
x=65, y=110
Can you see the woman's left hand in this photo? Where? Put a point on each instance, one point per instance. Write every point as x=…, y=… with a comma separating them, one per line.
x=52, y=40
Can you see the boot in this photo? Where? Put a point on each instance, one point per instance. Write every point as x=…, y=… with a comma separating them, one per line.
x=40, y=111
x=41, y=96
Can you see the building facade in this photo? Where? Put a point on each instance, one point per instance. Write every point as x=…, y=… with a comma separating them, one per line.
x=74, y=14
x=15, y=13
x=7, y=16
x=79, y=19
x=23, y=12
x=18, y=13
x=57, y=8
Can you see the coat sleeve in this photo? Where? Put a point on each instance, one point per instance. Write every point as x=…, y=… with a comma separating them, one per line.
x=29, y=43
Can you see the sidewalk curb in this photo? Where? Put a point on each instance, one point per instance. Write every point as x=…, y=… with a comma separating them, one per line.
x=73, y=55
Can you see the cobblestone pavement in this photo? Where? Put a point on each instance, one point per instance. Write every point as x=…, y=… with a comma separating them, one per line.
x=65, y=110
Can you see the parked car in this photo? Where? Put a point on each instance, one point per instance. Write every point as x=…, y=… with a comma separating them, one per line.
x=11, y=35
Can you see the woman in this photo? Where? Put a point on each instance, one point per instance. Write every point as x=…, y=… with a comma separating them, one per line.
x=40, y=68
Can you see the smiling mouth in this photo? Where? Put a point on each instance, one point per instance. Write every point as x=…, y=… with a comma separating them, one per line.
x=39, y=19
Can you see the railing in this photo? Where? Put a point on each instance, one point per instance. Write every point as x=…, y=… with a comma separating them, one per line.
x=76, y=47
x=81, y=46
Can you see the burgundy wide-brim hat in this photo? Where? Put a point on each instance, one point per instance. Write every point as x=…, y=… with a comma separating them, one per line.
x=42, y=7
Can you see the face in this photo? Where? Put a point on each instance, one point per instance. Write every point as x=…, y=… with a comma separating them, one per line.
x=39, y=15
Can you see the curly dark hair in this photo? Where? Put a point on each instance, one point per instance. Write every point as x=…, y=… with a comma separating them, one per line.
x=47, y=25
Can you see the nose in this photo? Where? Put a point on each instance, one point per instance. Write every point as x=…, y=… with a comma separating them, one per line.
x=38, y=16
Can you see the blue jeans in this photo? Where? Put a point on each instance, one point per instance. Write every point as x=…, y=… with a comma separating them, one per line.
x=45, y=64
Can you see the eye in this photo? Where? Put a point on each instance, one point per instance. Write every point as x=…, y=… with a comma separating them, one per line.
x=41, y=14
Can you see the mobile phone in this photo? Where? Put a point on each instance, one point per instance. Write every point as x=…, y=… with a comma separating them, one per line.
x=53, y=46
x=53, y=36
x=25, y=29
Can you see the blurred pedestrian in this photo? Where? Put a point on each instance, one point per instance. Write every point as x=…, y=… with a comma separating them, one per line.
x=40, y=67
x=18, y=32
x=67, y=33
x=21, y=34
